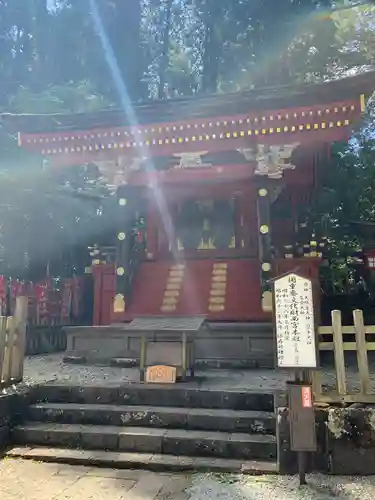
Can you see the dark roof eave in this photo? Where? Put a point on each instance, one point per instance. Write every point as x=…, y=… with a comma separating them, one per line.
x=199, y=107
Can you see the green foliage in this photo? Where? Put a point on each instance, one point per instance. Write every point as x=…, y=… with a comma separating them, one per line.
x=184, y=46
x=79, y=97
x=348, y=193
x=344, y=207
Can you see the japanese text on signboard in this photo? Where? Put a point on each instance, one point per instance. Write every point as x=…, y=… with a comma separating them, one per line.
x=294, y=316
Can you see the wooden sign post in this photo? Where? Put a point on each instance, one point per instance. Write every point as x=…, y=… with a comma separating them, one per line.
x=161, y=374
x=297, y=350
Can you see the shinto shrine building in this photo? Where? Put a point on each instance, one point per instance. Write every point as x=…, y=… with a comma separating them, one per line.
x=218, y=185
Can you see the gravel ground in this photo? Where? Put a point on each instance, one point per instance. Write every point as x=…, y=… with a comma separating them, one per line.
x=51, y=368
x=226, y=487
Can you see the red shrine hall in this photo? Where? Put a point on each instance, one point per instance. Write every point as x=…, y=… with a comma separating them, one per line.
x=216, y=185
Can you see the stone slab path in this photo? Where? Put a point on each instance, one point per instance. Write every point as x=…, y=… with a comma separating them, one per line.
x=27, y=480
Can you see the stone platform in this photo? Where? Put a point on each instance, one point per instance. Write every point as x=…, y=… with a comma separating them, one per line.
x=219, y=345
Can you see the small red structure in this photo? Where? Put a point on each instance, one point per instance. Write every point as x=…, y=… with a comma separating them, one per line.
x=209, y=192
x=48, y=306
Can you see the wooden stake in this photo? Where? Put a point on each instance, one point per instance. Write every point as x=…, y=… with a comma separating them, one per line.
x=360, y=338
x=339, y=352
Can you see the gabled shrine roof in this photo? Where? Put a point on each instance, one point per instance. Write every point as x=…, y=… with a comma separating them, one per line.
x=228, y=104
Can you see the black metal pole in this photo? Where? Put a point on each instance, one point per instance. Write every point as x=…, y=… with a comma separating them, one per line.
x=301, y=378
x=301, y=455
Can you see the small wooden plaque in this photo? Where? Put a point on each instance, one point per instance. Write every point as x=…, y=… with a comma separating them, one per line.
x=267, y=302
x=217, y=300
x=219, y=272
x=220, y=265
x=169, y=300
x=216, y=307
x=167, y=308
x=218, y=286
x=219, y=279
x=218, y=293
x=161, y=374
x=175, y=279
x=119, y=303
x=173, y=286
x=178, y=267
x=178, y=273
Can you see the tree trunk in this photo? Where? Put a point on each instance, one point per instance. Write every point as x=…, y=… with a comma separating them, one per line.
x=212, y=46
x=165, y=53
x=40, y=35
x=124, y=32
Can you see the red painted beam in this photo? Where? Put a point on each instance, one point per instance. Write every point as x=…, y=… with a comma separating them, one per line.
x=308, y=137
x=175, y=193
x=211, y=134
x=234, y=172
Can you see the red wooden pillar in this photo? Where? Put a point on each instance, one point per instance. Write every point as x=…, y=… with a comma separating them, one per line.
x=249, y=221
x=152, y=231
x=97, y=273
x=162, y=232
x=104, y=292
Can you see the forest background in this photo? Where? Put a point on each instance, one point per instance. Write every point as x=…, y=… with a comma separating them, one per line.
x=53, y=60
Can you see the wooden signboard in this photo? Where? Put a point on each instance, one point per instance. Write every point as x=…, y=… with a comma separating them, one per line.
x=161, y=374
x=294, y=320
x=302, y=418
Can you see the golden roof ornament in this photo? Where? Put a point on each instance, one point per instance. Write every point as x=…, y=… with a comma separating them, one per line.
x=192, y=160
x=271, y=160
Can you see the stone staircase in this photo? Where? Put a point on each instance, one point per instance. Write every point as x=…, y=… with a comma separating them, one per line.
x=220, y=289
x=157, y=427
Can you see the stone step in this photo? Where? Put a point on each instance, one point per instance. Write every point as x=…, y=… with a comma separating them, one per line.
x=148, y=440
x=181, y=396
x=158, y=416
x=147, y=461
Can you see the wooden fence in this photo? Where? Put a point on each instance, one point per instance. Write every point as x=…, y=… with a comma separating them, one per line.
x=359, y=339
x=12, y=344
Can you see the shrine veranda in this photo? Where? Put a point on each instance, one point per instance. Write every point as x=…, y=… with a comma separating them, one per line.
x=217, y=185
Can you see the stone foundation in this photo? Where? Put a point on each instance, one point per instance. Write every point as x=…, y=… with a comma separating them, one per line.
x=346, y=442
x=351, y=440
x=45, y=340
x=12, y=410
x=224, y=345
